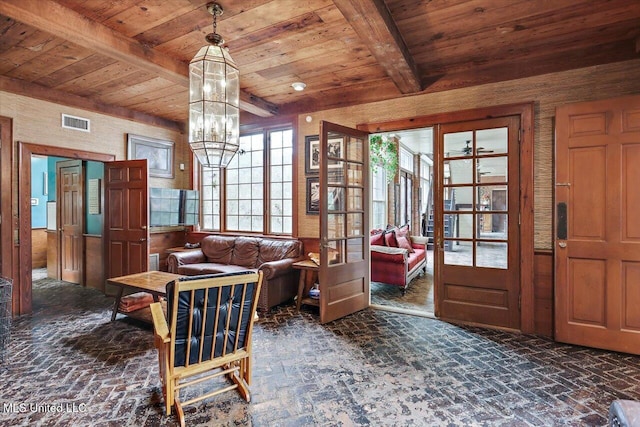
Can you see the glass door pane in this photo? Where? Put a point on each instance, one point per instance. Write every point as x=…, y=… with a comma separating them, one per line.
x=474, y=196
x=344, y=242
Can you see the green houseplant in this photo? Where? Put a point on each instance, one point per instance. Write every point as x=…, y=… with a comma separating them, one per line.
x=383, y=153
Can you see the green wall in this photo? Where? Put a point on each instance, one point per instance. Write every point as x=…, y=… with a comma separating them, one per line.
x=93, y=223
x=92, y=170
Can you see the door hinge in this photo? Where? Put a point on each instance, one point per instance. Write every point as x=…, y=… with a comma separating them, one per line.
x=519, y=219
x=520, y=132
x=519, y=302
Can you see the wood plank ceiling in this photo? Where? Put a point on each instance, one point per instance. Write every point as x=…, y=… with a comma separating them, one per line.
x=130, y=58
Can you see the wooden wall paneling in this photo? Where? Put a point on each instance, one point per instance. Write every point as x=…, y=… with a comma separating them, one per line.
x=162, y=240
x=38, y=248
x=543, y=293
x=93, y=265
x=53, y=264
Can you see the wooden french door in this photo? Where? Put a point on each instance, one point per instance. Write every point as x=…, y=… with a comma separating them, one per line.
x=597, y=236
x=477, y=214
x=344, y=221
x=70, y=191
x=126, y=217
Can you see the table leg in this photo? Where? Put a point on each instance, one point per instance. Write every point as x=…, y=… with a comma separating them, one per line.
x=303, y=276
x=117, y=303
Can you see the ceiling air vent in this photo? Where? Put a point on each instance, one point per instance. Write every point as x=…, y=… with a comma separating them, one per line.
x=76, y=123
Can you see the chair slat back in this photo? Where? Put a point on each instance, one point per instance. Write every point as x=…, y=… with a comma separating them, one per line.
x=211, y=316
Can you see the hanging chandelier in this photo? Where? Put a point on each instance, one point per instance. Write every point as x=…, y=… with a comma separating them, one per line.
x=214, y=91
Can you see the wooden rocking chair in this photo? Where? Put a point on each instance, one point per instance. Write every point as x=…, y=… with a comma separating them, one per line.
x=209, y=334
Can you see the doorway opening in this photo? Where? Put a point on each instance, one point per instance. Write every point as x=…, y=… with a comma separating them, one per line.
x=406, y=200
x=22, y=303
x=61, y=222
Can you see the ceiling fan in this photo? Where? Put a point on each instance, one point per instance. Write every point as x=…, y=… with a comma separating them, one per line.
x=467, y=150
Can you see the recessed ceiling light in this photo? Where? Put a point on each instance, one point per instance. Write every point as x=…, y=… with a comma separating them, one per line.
x=298, y=86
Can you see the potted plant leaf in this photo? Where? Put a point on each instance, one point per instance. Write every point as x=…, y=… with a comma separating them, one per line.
x=383, y=153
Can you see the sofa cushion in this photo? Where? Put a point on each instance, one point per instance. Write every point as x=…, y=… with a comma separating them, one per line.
x=390, y=239
x=245, y=252
x=274, y=250
x=377, y=239
x=218, y=249
x=404, y=231
x=209, y=268
x=416, y=257
x=404, y=242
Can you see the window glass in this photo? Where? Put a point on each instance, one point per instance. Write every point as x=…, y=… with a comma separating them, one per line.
x=250, y=205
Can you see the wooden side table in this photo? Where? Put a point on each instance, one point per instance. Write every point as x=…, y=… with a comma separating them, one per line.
x=304, y=267
x=179, y=249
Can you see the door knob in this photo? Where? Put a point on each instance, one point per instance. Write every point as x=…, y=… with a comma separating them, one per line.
x=144, y=227
x=562, y=244
x=142, y=239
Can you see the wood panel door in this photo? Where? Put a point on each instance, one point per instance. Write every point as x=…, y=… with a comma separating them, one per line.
x=477, y=222
x=127, y=216
x=597, y=236
x=344, y=221
x=70, y=191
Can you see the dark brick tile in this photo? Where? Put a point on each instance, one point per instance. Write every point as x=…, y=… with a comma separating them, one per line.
x=371, y=368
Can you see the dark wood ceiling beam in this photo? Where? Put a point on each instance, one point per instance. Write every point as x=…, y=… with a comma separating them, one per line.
x=63, y=22
x=258, y=106
x=55, y=19
x=33, y=90
x=373, y=23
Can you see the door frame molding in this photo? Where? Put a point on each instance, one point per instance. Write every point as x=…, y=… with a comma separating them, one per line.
x=6, y=198
x=22, y=283
x=526, y=113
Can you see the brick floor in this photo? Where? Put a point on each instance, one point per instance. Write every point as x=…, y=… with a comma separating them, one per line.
x=372, y=368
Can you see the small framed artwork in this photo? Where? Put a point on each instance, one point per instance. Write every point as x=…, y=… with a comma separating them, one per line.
x=313, y=196
x=335, y=148
x=159, y=154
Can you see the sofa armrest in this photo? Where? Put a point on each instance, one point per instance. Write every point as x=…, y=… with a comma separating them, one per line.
x=277, y=268
x=176, y=259
x=419, y=242
x=420, y=239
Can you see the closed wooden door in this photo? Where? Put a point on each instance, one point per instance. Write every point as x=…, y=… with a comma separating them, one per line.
x=344, y=222
x=597, y=236
x=477, y=222
x=70, y=208
x=126, y=217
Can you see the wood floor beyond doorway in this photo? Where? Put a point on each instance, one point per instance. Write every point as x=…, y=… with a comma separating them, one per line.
x=417, y=299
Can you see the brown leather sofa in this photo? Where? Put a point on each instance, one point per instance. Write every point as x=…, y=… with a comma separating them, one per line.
x=225, y=254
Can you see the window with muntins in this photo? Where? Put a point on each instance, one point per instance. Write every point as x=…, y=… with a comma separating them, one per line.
x=257, y=184
x=379, y=199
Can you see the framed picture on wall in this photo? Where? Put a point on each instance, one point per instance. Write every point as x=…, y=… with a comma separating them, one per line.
x=159, y=154
x=335, y=148
x=313, y=196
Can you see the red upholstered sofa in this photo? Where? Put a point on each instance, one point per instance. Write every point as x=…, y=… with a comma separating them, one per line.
x=397, y=263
